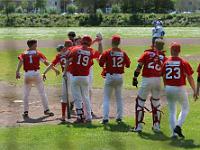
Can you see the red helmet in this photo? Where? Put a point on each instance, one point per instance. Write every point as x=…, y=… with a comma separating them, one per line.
x=86, y=39
x=175, y=47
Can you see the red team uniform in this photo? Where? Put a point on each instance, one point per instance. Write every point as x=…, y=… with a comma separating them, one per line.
x=82, y=59
x=113, y=62
x=31, y=64
x=174, y=73
x=152, y=61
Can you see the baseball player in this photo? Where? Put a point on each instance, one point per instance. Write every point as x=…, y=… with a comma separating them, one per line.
x=198, y=80
x=175, y=71
x=113, y=60
x=150, y=62
x=61, y=58
x=71, y=36
x=30, y=59
x=81, y=58
x=157, y=31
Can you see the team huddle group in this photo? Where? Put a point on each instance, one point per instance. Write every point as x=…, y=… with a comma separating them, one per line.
x=76, y=57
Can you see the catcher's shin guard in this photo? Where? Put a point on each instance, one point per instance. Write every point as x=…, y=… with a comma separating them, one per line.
x=80, y=113
x=156, y=112
x=139, y=111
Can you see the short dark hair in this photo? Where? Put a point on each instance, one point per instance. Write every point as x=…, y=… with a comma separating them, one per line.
x=72, y=34
x=31, y=42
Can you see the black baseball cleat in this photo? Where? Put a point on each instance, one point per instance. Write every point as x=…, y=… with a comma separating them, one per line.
x=71, y=107
x=78, y=120
x=104, y=121
x=48, y=113
x=118, y=120
x=25, y=114
x=178, y=130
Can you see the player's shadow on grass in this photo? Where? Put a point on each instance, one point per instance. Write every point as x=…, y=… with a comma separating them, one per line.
x=154, y=137
x=80, y=125
x=35, y=120
x=121, y=127
x=184, y=143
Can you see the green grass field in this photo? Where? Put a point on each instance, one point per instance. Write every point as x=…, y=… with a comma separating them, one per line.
x=96, y=136
x=125, y=32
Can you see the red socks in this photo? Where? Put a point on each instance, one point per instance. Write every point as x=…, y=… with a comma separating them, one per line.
x=63, y=105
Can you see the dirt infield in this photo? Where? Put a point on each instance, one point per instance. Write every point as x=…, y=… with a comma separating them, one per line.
x=21, y=44
x=11, y=106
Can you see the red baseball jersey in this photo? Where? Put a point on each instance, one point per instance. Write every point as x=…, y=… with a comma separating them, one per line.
x=82, y=59
x=198, y=70
x=31, y=59
x=175, y=70
x=152, y=61
x=114, y=61
x=62, y=59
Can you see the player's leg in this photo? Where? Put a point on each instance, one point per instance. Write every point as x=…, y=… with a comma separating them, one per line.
x=118, y=94
x=171, y=100
x=155, y=103
x=86, y=99
x=76, y=94
x=40, y=87
x=27, y=89
x=69, y=75
x=140, y=102
x=108, y=88
x=63, y=100
x=184, y=110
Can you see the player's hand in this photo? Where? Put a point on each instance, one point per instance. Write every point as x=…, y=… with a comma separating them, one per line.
x=57, y=72
x=18, y=75
x=44, y=77
x=135, y=82
x=65, y=76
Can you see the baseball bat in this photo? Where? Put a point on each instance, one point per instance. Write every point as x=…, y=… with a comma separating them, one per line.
x=67, y=96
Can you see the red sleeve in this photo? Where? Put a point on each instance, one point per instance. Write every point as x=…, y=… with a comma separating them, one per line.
x=187, y=68
x=127, y=60
x=42, y=57
x=20, y=57
x=102, y=59
x=96, y=54
x=142, y=58
x=56, y=60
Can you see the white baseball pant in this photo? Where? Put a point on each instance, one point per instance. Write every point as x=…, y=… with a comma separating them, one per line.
x=80, y=93
x=177, y=94
x=64, y=91
x=113, y=82
x=33, y=77
x=150, y=85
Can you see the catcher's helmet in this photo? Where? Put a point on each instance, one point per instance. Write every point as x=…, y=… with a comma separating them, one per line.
x=60, y=47
x=87, y=40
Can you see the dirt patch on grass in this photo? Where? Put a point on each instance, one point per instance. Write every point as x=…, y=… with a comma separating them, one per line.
x=11, y=107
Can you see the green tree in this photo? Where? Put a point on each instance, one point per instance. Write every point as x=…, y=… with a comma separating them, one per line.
x=24, y=5
x=9, y=7
x=41, y=4
x=71, y=8
x=116, y=8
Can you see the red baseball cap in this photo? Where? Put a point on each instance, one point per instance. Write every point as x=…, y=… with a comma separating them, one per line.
x=175, y=47
x=116, y=38
x=86, y=39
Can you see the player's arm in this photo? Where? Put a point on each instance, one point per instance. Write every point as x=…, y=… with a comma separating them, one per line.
x=136, y=74
x=19, y=65
x=52, y=67
x=192, y=85
x=47, y=70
